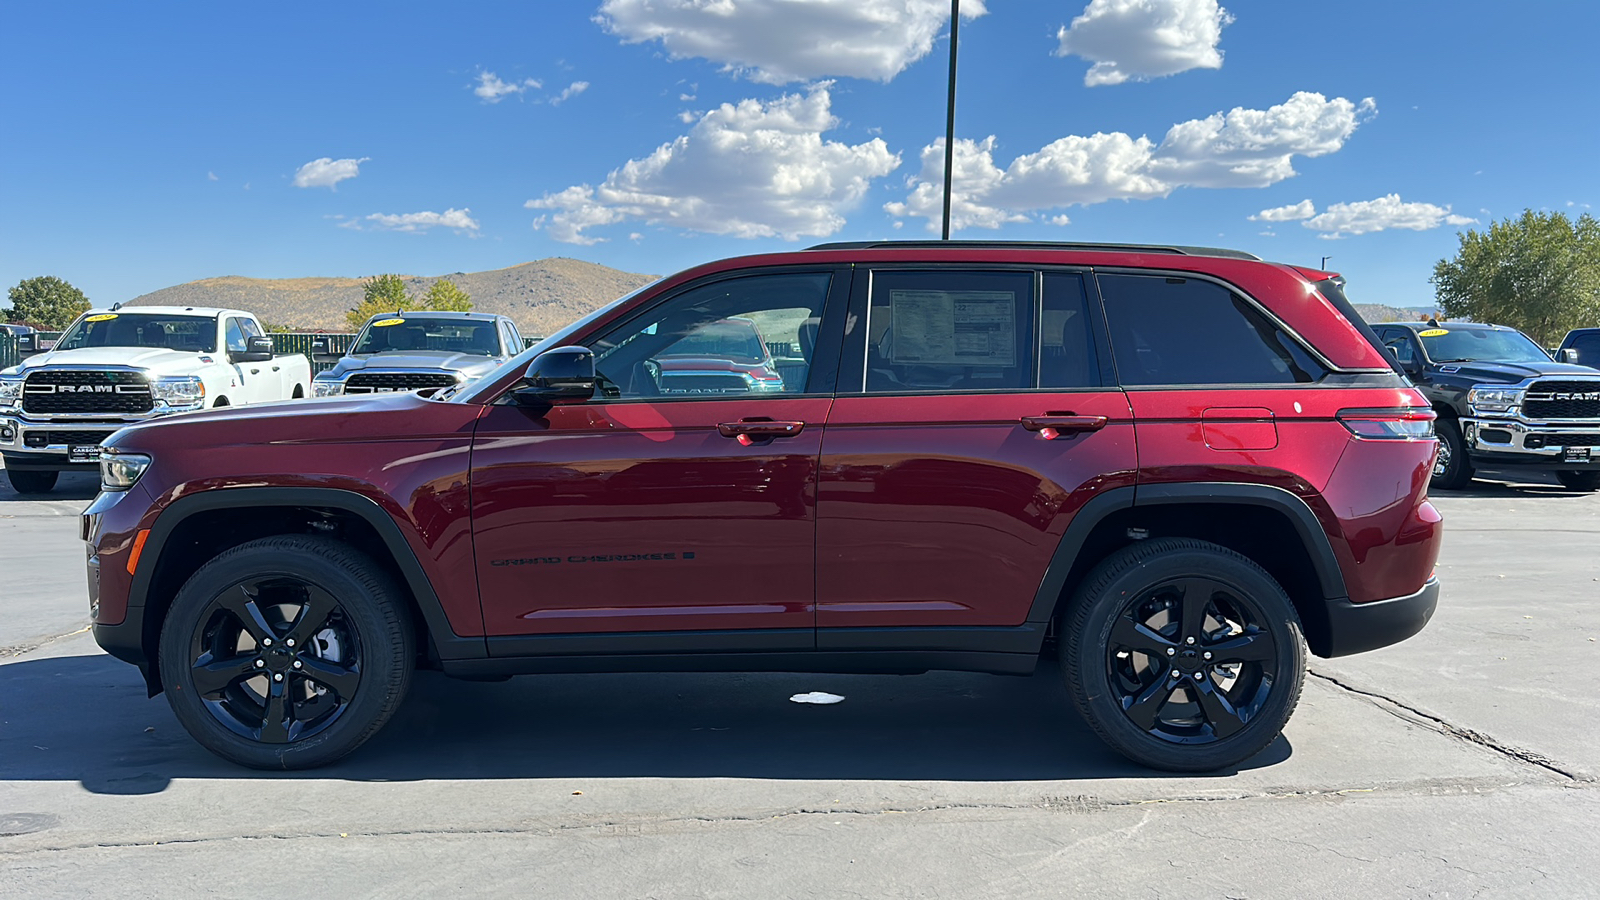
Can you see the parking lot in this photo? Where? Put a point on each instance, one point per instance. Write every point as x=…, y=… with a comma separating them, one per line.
x=1457, y=764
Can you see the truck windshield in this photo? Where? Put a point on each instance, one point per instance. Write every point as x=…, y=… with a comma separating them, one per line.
x=413, y=334
x=190, y=334
x=1446, y=344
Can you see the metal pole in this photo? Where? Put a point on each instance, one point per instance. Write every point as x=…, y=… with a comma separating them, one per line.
x=950, y=116
x=1325, y=263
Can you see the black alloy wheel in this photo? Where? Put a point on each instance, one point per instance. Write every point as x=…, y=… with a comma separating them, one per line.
x=1452, y=469
x=1183, y=655
x=32, y=482
x=1581, y=480
x=286, y=652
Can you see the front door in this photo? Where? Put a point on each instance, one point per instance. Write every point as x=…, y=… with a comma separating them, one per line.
x=972, y=423
x=679, y=503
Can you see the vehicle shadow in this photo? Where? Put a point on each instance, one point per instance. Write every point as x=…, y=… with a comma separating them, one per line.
x=1511, y=486
x=86, y=719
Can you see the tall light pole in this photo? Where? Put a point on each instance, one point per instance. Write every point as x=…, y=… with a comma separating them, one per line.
x=950, y=116
x=1324, y=265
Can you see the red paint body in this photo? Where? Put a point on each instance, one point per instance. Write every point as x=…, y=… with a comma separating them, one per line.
x=662, y=514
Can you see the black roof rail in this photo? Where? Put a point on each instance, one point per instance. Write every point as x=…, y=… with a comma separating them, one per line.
x=1178, y=249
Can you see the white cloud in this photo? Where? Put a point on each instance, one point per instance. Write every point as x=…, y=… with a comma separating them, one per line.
x=1385, y=213
x=781, y=41
x=746, y=170
x=458, y=220
x=212, y=176
x=1143, y=39
x=572, y=90
x=491, y=89
x=1242, y=148
x=326, y=172
x=1305, y=209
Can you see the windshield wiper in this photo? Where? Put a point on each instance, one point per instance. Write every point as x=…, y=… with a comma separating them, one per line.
x=1456, y=359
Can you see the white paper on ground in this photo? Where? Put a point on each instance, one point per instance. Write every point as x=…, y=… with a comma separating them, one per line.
x=819, y=697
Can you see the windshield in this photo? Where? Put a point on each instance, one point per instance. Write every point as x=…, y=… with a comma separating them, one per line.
x=190, y=334
x=1446, y=344
x=413, y=334
x=470, y=393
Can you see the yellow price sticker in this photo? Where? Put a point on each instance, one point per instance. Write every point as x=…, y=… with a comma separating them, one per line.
x=103, y=317
x=385, y=323
x=1433, y=332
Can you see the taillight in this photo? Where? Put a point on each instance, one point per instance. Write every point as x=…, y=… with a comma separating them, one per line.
x=1407, y=424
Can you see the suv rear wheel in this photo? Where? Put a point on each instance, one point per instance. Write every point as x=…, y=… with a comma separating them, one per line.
x=286, y=652
x=1183, y=655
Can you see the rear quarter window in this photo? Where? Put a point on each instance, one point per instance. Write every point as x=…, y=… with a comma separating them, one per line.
x=1172, y=330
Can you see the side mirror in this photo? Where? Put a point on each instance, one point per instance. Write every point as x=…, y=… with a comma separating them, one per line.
x=558, y=375
x=1569, y=355
x=256, y=349
x=320, y=352
x=28, y=344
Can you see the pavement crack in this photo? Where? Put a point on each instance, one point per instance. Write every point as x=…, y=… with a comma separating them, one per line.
x=22, y=649
x=1435, y=723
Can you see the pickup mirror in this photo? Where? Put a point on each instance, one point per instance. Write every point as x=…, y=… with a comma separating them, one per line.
x=1569, y=355
x=320, y=352
x=256, y=349
x=558, y=375
x=28, y=344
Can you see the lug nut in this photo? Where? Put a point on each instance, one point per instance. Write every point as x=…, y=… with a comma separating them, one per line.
x=278, y=676
x=1187, y=640
x=260, y=663
x=1171, y=651
x=289, y=642
x=1197, y=676
x=1174, y=673
x=298, y=664
x=267, y=642
x=1208, y=654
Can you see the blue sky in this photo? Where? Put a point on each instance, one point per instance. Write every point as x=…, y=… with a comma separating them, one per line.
x=146, y=145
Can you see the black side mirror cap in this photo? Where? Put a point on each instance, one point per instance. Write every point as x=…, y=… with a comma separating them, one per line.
x=558, y=375
x=1569, y=355
x=320, y=352
x=257, y=349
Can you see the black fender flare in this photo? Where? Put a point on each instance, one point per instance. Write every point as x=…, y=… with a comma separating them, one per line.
x=1315, y=540
x=449, y=644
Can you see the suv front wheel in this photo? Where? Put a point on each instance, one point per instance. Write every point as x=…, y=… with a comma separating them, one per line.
x=1183, y=655
x=286, y=652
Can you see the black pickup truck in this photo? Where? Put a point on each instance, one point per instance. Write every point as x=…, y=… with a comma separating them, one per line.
x=1503, y=403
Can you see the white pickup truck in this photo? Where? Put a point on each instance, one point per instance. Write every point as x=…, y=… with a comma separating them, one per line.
x=115, y=367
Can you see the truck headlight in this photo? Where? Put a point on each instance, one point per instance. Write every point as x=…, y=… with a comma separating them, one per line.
x=180, y=390
x=326, y=388
x=1494, y=399
x=119, y=471
x=11, y=390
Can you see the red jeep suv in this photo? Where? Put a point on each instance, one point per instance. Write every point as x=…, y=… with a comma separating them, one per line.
x=1177, y=468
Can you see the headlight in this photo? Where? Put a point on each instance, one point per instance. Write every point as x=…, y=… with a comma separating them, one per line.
x=1494, y=399
x=182, y=390
x=11, y=390
x=119, y=471
x=326, y=388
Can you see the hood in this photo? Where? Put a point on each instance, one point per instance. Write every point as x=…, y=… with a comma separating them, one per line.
x=472, y=365
x=357, y=417
x=1511, y=373
x=159, y=360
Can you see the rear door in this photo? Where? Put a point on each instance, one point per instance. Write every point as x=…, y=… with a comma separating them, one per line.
x=973, y=420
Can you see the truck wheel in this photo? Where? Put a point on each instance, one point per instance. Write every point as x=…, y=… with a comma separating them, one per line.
x=286, y=652
x=1183, y=655
x=32, y=482
x=1452, y=469
x=1579, y=481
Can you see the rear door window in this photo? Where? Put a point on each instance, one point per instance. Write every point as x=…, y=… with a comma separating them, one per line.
x=950, y=331
x=1181, y=330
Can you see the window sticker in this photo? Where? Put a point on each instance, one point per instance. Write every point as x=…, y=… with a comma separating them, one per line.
x=385, y=323
x=1433, y=332
x=961, y=328
x=102, y=317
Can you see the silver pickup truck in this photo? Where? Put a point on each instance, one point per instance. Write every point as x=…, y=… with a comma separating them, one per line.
x=418, y=351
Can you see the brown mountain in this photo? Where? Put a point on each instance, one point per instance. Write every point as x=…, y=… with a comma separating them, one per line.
x=539, y=296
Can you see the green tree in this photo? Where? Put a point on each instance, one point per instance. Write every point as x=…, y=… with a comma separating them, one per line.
x=381, y=293
x=1539, y=273
x=47, y=302
x=446, y=294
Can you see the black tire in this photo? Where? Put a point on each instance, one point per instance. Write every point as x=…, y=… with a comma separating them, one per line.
x=1452, y=469
x=1125, y=653
x=308, y=624
x=1579, y=480
x=32, y=482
